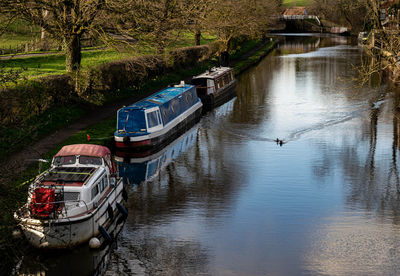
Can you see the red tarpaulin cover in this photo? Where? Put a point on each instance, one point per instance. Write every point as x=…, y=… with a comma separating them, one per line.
x=42, y=204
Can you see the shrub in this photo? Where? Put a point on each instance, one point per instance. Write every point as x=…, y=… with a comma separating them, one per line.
x=22, y=102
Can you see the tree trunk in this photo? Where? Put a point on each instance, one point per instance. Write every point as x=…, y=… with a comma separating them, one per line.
x=44, y=38
x=73, y=54
x=197, y=37
x=44, y=41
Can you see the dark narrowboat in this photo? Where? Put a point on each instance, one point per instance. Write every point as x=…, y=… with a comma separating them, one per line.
x=215, y=86
x=157, y=120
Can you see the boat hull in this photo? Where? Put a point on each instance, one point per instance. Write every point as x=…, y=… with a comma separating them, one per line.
x=70, y=232
x=156, y=141
x=222, y=96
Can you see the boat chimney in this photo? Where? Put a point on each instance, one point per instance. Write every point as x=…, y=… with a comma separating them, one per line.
x=181, y=84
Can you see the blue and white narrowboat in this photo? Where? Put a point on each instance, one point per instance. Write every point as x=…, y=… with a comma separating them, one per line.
x=215, y=86
x=157, y=120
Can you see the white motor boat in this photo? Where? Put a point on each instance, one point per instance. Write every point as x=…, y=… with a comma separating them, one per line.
x=79, y=199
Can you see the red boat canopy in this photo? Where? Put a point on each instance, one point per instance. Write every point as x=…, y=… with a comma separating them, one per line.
x=84, y=149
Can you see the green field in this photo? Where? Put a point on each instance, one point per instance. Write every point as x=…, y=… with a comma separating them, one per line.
x=55, y=64
x=37, y=66
x=18, y=32
x=296, y=3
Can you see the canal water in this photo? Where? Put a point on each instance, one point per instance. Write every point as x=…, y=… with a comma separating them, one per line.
x=227, y=199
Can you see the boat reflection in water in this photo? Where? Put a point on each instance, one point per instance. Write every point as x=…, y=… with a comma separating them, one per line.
x=76, y=261
x=137, y=168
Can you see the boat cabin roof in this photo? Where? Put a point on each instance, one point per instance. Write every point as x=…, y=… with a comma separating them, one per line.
x=84, y=149
x=68, y=174
x=213, y=73
x=161, y=97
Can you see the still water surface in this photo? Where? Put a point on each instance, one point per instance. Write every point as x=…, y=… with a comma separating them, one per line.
x=228, y=200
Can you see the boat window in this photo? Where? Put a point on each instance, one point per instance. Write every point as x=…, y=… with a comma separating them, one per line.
x=159, y=116
x=219, y=84
x=95, y=191
x=92, y=160
x=103, y=184
x=64, y=160
x=152, y=119
x=226, y=79
x=71, y=196
x=131, y=120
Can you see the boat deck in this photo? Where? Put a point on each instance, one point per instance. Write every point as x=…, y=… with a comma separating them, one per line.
x=69, y=174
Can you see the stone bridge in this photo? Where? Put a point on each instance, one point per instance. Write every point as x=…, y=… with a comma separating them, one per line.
x=300, y=17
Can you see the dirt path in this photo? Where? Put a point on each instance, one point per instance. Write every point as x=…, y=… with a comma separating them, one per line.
x=21, y=160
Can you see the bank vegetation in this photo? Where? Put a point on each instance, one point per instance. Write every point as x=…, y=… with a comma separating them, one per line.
x=379, y=23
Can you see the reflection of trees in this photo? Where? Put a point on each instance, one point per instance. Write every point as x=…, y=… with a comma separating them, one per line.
x=252, y=93
x=299, y=44
x=199, y=177
x=373, y=180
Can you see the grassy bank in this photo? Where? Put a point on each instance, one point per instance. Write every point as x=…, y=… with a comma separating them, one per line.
x=256, y=57
x=100, y=133
x=54, y=64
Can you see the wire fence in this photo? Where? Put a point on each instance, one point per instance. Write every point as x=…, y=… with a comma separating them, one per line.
x=23, y=47
x=38, y=45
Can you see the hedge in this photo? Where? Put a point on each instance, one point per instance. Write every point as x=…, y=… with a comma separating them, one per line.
x=95, y=85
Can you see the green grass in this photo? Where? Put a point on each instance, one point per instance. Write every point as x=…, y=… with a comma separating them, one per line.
x=18, y=33
x=296, y=3
x=55, y=64
x=244, y=48
x=254, y=58
x=186, y=39
x=16, y=40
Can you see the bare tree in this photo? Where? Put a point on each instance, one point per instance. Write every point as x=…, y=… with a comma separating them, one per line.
x=351, y=13
x=233, y=18
x=383, y=47
x=64, y=20
x=154, y=22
